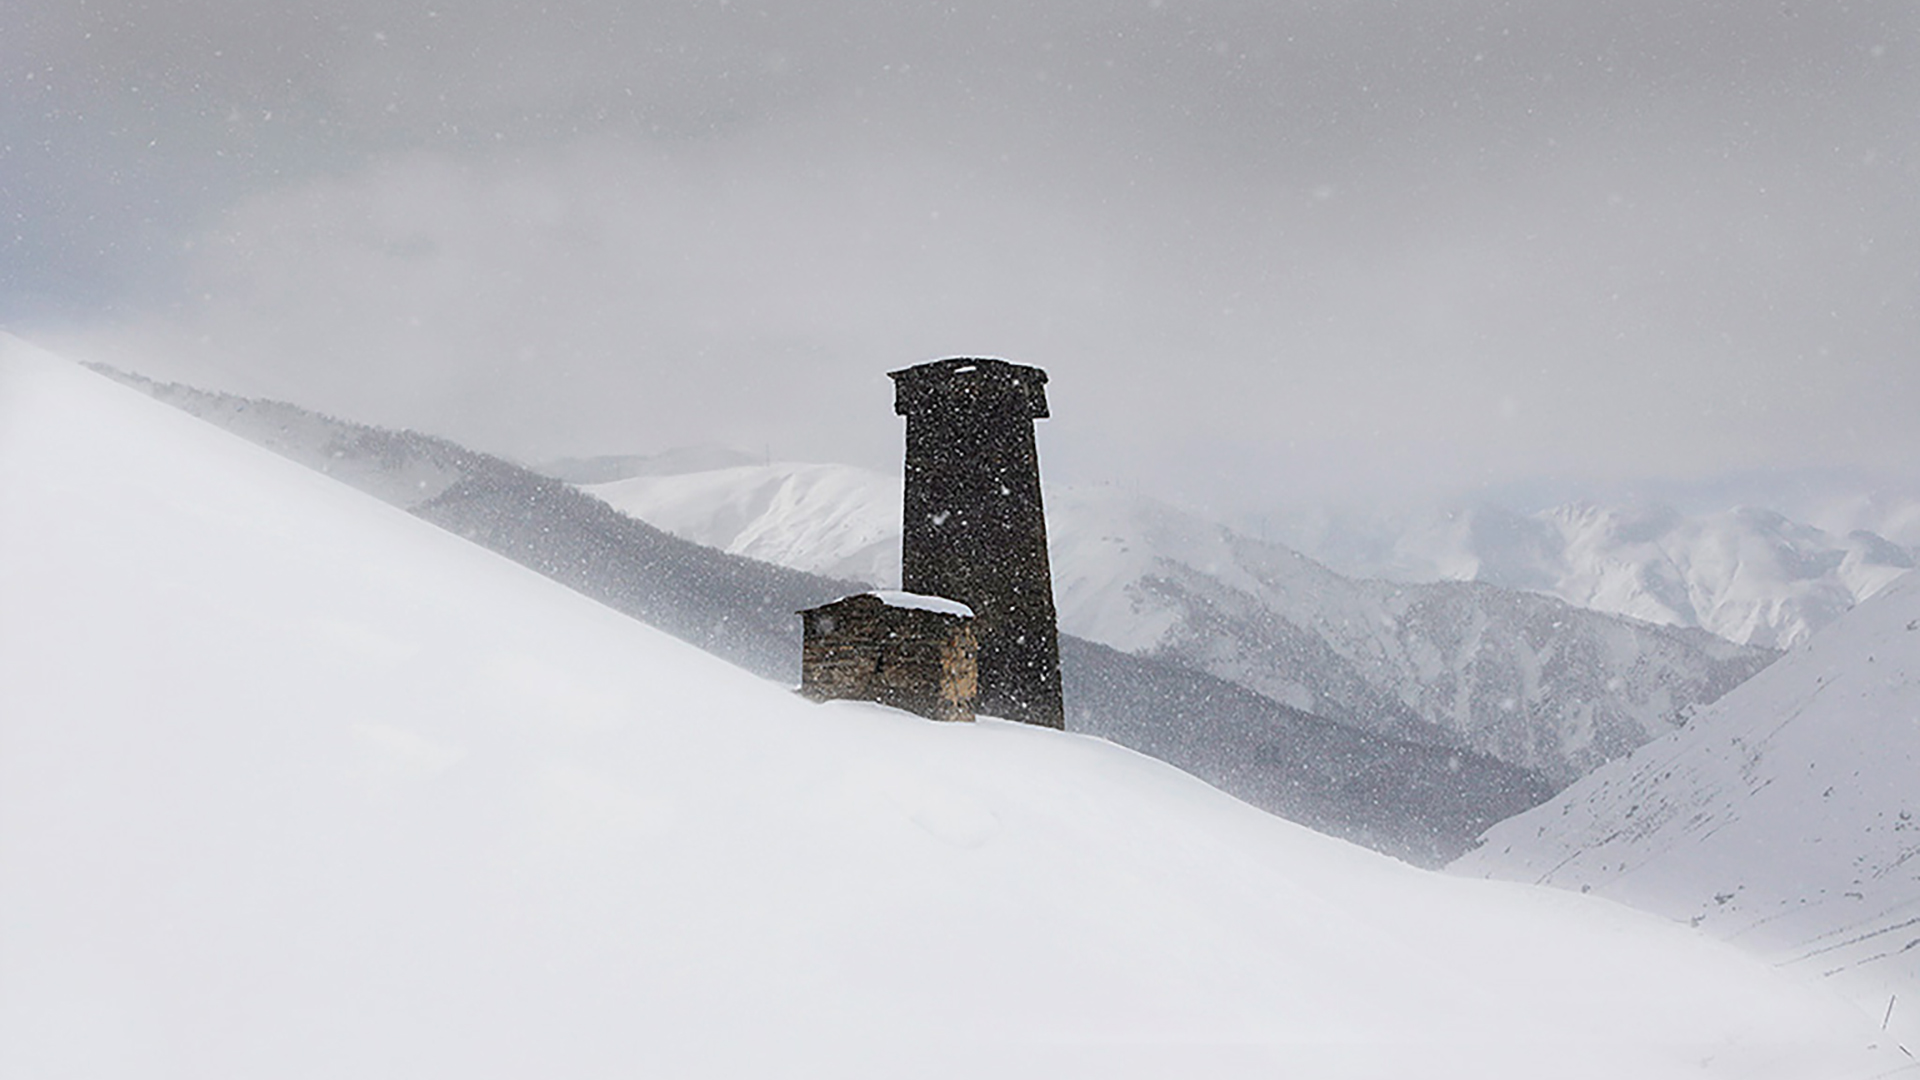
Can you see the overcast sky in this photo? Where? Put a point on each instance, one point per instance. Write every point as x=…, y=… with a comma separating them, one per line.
x=1266, y=250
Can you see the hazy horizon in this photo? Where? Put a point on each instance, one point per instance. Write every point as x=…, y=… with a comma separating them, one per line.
x=1360, y=251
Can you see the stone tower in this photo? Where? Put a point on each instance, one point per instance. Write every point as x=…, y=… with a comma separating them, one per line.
x=974, y=530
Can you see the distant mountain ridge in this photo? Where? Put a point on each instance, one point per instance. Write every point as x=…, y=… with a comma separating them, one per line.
x=1521, y=677
x=1748, y=574
x=1423, y=803
x=599, y=470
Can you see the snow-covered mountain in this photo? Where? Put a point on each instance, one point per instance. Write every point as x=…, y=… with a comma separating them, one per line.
x=836, y=520
x=1746, y=574
x=597, y=470
x=1418, y=801
x=1786, y=817
x=1893, y=515
x=295, y=784
x=1525, y=678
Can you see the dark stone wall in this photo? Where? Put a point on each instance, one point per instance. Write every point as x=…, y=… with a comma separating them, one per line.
x=860, y=649
x=974, y=527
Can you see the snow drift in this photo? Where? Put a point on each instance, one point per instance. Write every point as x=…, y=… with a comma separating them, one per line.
x=293, y=784
x=1785, y=818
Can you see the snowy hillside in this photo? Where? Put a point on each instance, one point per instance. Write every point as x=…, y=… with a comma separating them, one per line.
x=294, y=784
x=1322, y=774
x=1745, y=574
x=1520, y=677
x=1786, y=818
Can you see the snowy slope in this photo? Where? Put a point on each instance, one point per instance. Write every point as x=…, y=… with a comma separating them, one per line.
x=1785, y=818
x=1517, y=676
x=1307, y=769
x=1746, y=574
x=293, y=784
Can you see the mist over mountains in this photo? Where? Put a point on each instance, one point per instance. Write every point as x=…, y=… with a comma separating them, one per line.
x=1456, y=667
x=1748, y=572
x=1778, y=817
x=297, y=784
x=1424, y=801
x=1519, y=676
x=501, y=777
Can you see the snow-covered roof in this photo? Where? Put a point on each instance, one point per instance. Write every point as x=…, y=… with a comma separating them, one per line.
x=919, y=602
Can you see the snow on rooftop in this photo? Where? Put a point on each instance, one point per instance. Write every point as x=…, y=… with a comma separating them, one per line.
x=919, y=602
x=294, y=783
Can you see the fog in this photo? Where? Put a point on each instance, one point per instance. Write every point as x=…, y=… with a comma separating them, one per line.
x=1268, y=252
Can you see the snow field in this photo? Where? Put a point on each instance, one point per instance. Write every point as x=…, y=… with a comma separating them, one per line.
x=293, y=784
x=1784, y=817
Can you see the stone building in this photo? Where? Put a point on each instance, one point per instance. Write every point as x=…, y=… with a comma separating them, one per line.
x=901, y=649
x=974, y=528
